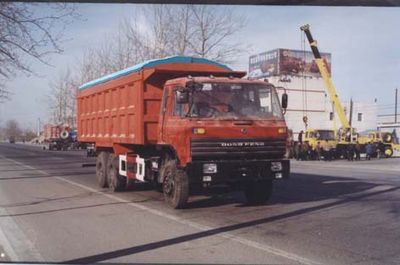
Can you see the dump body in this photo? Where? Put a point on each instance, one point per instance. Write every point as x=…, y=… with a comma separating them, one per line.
x=126, y=108
x=60, y=137
x=51, y=132
x=54, y=132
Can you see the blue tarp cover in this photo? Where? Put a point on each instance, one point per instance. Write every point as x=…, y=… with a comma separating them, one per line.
x=150, y=64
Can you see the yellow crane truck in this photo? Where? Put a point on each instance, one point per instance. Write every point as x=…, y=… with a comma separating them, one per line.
x=346, y=134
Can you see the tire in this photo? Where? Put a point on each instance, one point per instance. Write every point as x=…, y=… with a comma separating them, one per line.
x=101, y=169
x=388, y=152
x=116, y=182
x=388, y=138
x=258, y=192
x=175, y=185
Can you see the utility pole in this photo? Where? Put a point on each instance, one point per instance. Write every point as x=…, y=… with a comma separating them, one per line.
x=351, y=111
x=38, y=127
x=395, y=107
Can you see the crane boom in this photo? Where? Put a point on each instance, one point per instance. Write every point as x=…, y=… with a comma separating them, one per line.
x=323, y=69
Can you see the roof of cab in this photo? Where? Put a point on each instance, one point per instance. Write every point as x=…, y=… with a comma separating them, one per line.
x=151, y=64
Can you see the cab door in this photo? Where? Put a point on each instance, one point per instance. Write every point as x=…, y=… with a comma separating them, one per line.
x=176, y=129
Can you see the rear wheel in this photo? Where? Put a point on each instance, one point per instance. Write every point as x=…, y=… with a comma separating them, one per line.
x=116, y=182
x=175, y=185
x=101, y=169
x=258, y=192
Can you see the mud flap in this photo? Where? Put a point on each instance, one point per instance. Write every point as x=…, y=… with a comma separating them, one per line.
x=132, y=166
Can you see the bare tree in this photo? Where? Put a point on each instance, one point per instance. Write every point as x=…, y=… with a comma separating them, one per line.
x=2, y=134
x=109, y=56
x=189, y=30
x=62, y=102
x=212, y=32
x=201, y=31
x=12, y=129
x=25, y=35
x=87, y=66
x=181, y=32
x=4, y=94
x=28, y=135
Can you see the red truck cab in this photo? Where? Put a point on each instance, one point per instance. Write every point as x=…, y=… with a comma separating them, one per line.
x=199, y=126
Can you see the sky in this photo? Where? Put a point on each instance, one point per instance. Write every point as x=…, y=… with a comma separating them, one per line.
x=363, y=41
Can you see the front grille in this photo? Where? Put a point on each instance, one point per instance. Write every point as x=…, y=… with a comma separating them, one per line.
x=206, y=148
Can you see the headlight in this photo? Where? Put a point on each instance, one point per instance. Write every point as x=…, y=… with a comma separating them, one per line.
x=282, y=130
x=209, y=168
x=276, y=166
x=199, y=131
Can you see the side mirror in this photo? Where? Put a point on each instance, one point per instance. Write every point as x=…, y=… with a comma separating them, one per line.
x=284, y=101
x=182, y=96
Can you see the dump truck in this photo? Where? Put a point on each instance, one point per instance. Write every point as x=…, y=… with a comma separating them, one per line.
x=184, y=124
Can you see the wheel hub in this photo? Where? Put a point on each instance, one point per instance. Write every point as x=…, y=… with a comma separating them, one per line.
x=168, y=184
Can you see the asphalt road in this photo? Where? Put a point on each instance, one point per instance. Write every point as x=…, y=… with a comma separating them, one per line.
x=339, y=212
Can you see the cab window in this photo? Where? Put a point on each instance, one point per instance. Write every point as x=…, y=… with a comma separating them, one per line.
x=179, y=110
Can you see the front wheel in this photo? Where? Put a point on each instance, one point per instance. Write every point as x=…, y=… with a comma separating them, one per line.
x=175, y=185
x=388, y=152
x=258, y=192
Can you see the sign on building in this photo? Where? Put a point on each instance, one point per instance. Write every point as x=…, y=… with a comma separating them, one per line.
x=285, y=62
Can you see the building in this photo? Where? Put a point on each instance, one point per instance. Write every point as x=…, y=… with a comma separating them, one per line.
x=364, y=116
x=296, y=73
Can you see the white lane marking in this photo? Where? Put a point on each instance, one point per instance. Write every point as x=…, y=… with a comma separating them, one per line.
x=366, y=167
x=227, y=235
x=16, y=244
x=5, y=243
x=339, y=181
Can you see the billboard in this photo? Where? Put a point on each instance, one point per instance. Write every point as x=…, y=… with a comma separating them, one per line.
x=286, y=62
x=264, y=64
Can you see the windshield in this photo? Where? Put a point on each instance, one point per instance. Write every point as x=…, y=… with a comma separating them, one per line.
x=324, y=135
x=232, y=101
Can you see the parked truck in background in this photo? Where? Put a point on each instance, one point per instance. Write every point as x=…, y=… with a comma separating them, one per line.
x=60, y=137
x=11, y=139
x=184, y=123
x=323, y=138
x=387, y=139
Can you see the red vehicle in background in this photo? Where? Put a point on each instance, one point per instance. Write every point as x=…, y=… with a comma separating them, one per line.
x=51, y=132
x=184, y=123
x=60, y=137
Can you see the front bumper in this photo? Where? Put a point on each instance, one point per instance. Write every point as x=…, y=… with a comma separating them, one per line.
x=230, y=171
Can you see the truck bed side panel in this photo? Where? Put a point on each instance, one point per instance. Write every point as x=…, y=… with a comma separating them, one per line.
x=111, y=112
